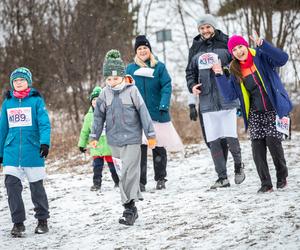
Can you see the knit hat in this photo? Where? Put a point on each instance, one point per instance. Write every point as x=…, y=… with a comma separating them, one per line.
x=95, y=93
x=141, y=40
x=207, y=19
x=113, y=64
x=236, y=40
x=21, y=72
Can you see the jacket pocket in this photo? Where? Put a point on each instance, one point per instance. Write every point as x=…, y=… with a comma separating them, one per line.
x=9, y=139
x=34, y=141
x=130, y=115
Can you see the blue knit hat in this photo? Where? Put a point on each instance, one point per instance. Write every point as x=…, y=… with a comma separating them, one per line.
x=21, y=72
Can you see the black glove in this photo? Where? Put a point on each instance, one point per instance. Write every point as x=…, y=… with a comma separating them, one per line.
x=44, y=150
x=82, y=149
x=1, y=160
x=193, y=112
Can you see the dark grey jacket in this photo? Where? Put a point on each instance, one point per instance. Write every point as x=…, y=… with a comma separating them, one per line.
x=125, y=114
x=210, y=98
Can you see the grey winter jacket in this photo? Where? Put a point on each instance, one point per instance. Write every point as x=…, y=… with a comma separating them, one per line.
x=125, y=114
x=210, y=99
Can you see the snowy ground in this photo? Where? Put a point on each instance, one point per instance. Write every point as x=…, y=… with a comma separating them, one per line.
x=187, y=215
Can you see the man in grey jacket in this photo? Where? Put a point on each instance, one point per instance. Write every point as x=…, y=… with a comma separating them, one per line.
x=218, y=117
x=121, y=106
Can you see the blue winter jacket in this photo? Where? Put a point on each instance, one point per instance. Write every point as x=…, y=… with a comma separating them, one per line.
x=266, y=58
x=155, y=91
x=24, y=125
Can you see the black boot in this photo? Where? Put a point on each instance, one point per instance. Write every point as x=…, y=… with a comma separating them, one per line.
x=42, y=227
x=18, y=230
x=161, y=184
x=130, y=214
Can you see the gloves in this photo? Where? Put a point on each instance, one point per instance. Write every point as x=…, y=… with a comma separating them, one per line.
x=93, y=143
x=239, y=112
x=152, y=143
x=1, y=160
x=44, y=150
x=82, y=149
x=193, y=112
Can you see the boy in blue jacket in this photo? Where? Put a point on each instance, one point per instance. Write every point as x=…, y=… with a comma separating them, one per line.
x=24, y=143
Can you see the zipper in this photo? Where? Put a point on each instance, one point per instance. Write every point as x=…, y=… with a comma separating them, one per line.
x=20, y=100
x=260, y=89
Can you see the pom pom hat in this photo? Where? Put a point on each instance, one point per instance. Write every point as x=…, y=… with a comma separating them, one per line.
x=113, y=64
x=21, y=73
x=141, y=40
x=236, y=40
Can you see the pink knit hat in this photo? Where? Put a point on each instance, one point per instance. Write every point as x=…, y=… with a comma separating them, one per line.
x=236, y=40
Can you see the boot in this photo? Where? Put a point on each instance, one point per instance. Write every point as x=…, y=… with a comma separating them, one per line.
x=129, y=215
x=142, y=187
x=18, y=230
x=161, y=184
x=95, y=187
x=42, y=227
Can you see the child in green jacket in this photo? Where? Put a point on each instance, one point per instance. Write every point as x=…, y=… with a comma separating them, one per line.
x=102, y=151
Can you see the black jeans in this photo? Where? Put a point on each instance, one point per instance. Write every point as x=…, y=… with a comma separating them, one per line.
x=159, y=163
x=98, y=164
x=38, y=196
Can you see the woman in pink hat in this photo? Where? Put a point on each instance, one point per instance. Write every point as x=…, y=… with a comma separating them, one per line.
x=264, y=101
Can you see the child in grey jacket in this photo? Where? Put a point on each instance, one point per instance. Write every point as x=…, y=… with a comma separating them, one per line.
x=122, y=107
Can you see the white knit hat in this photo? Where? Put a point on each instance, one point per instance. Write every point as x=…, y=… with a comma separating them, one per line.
x=207, y=19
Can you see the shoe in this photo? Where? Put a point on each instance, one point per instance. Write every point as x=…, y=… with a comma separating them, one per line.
x=265, y=189
x=142, y=187
x=95, y=187
x=161, y=184
x=116, y=185
x=42, y=227
x=281, y=184
x=18, y=230
x=220, y=183
x=239, y=175
x=129, y=216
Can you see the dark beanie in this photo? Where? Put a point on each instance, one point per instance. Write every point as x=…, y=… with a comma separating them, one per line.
x=141, y=40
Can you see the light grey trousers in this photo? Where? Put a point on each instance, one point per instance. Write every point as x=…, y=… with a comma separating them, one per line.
x=129, y=184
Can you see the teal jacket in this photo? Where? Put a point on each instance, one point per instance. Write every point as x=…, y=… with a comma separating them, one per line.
x=102, y=148
x=155, y=91
x=24, y=125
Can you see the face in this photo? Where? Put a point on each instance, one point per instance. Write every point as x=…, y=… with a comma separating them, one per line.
x=20, y=84
x=207, y=31
x=240, y=52
x=94, y=102
x=143, y=52
x=114, y=80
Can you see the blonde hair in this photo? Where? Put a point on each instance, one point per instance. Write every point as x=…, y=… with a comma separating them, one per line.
x=142, y=64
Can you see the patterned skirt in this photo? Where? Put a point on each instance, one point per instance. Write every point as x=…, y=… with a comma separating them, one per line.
x=263, y=124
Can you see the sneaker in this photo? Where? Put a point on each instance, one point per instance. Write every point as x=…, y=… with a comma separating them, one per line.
x=42, y=227
x=95, y=187
x=220, y=183
x=129, y=216
x=161, y=184
x=265, y=189
x=281, y=184
x=142, y=187
x=18, y=230
x=239, y=175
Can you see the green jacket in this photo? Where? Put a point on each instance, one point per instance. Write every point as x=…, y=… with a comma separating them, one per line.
x=102, y=146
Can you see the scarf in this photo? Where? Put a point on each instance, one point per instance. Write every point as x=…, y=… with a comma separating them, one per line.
x=22, y=94
x=248, y=62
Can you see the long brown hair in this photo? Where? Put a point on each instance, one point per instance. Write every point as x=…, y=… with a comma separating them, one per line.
x=235, y=69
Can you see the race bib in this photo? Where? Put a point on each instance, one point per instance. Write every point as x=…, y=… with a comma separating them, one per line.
x=19, y=117
x=283, y=125
x=118, y=165
x=207, y=60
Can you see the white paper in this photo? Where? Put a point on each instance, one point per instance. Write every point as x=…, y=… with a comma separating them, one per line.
x=19, y=117
x=146, y=72
x=207, y=60
x=118, y=165
x=283, y=125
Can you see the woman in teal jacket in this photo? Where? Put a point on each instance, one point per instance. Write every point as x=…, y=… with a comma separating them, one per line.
x=24, y=143
x=154, y=83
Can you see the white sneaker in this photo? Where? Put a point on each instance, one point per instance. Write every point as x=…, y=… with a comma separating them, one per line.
x=220, y=183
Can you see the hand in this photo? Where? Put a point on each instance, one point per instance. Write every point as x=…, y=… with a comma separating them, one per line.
x=256, y=39
x=197, y=89
x=1, y=160
x=152, y=143
x=193, y=112
x=44, y=150
x=93, y=144
x=82, y=149
x=217, y=68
